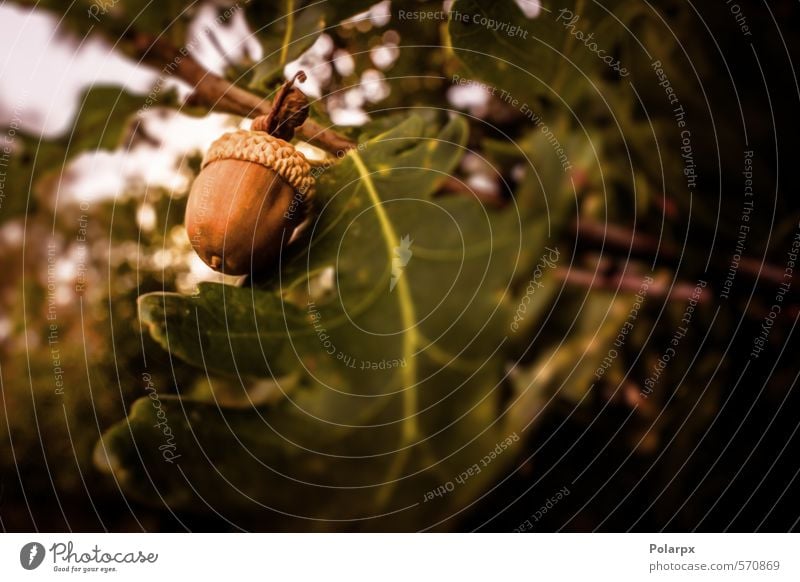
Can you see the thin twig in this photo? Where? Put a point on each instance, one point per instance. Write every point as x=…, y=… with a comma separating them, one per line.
x=624, y=240
x=219, y=94
x=629, y=283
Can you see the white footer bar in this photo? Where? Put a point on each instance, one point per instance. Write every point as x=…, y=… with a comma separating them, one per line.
x=401, y=557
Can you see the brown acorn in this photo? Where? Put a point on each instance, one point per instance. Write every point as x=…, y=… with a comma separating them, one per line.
x=251, y=193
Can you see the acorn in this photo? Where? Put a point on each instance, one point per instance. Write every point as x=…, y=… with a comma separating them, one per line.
x=252, y=191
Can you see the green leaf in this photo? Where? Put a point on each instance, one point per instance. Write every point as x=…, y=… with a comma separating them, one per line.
x=541, y=57
x=103, y=120
x=288, y=28
x=395, y=390
x=17, y=182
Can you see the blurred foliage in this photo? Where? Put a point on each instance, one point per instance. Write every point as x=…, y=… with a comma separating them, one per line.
x=36, y=165
x=287, y=32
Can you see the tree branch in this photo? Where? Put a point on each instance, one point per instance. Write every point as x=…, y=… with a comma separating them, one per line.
x=220, y=95
x=631, y=283
x=624, y=240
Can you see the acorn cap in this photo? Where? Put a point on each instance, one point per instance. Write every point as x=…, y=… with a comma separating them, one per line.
x=269, y=151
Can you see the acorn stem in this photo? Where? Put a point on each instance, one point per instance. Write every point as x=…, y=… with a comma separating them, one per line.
x=275, y=118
